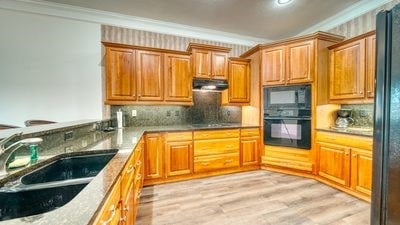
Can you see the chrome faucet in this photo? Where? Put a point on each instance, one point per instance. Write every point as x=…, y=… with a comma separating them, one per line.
x=6, y=152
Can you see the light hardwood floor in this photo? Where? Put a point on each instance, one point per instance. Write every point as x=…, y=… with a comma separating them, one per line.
x=250, y=198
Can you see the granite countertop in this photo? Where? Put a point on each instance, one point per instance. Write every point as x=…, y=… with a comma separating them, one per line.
x=365, y=132
x=82, y=208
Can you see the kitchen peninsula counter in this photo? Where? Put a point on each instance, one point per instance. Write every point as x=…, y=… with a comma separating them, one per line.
x=83, y=208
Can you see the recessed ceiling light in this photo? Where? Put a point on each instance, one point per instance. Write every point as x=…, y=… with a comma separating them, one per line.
x=283, y=2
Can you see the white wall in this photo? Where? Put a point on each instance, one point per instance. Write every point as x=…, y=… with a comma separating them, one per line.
x=50, y=68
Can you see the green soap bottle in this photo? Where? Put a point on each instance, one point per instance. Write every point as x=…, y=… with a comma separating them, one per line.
x=34, y=151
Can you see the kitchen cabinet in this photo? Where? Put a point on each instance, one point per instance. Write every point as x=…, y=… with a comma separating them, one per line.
x=141, y=75
x=249, y=147
x=154, y=156
x=149, y=66
x=179, y=154
x=352, y=70
x=110, y=213
x=346, y=164
x=239, y=82
x=288, y=63
x=120, y=74
x=215, y=150
x=334, y=162
x=208, y=61
x=178, y=78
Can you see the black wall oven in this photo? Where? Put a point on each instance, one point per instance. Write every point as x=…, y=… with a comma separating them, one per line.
x=287, y=116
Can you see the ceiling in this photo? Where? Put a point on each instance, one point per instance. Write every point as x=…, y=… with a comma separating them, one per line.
x=255, y=18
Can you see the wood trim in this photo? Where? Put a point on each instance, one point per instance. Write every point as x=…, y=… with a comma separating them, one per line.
x=137, y=47
x=325, y=36
x=113, y=102
x=239, y=59
x=359, y=37
x=207, y=47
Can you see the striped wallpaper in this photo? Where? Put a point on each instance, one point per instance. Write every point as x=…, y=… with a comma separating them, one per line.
x=156, y=40
x=361, y=24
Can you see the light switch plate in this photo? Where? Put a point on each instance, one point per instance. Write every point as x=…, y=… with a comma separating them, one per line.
x=134, y=113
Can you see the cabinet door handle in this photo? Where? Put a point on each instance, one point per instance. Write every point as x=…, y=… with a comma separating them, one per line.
x=108, y=221
x=140, y=194
x=139, y=176
x=354, y=155
x=131, y=168
x=139, y=162
x=361, y=92
x=122, y=219
x=126, y=208
x=205, y=163
x=228, y=160
x=346, y=153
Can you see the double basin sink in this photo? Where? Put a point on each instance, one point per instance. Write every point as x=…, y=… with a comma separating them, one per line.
x=51, y=186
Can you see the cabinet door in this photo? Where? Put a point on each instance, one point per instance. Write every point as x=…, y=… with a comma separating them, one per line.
x=153, y=156
x=178, y=78
x=370, y=72
x=179, y=158
x=300, y=62
x=249, y=151
x=239, y=82
x=120, y=74
x=111, y=211
x=201, y=63
x=273, y=66
x=219, y=65
x=361, y=171
x=334, y=163
x=347, y=72
x=150, y=76
x=128, y=216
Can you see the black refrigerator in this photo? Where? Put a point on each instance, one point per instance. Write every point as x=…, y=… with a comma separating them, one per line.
x=385, y=204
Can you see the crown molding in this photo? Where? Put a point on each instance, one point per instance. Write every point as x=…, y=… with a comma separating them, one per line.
x=115, y=19
x=346, y=15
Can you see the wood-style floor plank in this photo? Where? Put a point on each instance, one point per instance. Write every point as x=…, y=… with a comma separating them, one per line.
x=250, y=198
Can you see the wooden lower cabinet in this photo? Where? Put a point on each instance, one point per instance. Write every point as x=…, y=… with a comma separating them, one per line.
x=179, y=158
x=215, y=162
x=346, y=164
x=110, y=213
x=154, y=156
x=250, y=147
x=361, y=171
x=334, y=163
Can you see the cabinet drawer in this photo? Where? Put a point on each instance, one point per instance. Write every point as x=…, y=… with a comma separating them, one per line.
x=214, y=134
x=180, y=136
x=249, y=132
x=345, y=139
x=216, y=146
x=209, y=163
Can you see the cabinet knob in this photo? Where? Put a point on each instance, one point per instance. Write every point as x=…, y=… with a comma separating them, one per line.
x=361, y=92
x=346, y=153
x=354, y=155
x=369, y=92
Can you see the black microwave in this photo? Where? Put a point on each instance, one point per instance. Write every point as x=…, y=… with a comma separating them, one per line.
x=287, y=97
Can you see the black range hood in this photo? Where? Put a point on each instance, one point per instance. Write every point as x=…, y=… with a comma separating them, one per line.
x=209, y=85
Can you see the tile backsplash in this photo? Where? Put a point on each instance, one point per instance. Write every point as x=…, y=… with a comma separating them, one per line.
x=206, y=109
x=363, y=114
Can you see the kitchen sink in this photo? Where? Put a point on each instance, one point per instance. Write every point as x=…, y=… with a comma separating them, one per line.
x=50, y=186
x=31, y=202
x=76, y=167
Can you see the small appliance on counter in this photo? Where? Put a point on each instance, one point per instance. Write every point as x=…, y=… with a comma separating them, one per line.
x=344, y=118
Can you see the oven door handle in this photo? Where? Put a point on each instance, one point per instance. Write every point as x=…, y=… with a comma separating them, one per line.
x=287, y=118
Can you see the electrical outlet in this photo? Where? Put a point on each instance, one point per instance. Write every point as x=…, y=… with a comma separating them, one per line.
x=176, y=113
x=68, y=135
x=134, y=113
x=168, y=113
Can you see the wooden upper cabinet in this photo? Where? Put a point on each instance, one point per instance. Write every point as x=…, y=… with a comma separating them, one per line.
x=239, y=81
x=201, y=63
x=300, y=62
x=219, y=65
x=347, y=72
x=273, y=66
x=150, y=76
x=120, y=74
x=208, y=61
x=178, y=78
x=371, y=65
